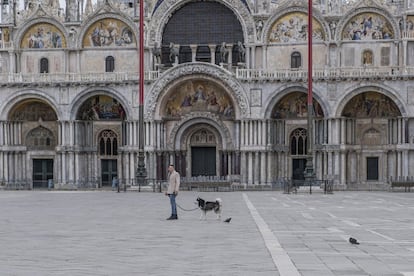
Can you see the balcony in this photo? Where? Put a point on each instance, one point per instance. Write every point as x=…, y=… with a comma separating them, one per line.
x=74, y=78
x=343, y=73
x=281, y=75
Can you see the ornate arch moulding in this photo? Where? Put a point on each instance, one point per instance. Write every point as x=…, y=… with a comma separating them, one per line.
x=163, y=13
x=195, y=128
x=175, y=75
x=24, y=95
x=193, y=118
x=286, y=90
x=83, y=96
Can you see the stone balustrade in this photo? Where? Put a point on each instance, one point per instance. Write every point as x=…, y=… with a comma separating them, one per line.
x=325, y=73
x=51, y=78
x=240, y=73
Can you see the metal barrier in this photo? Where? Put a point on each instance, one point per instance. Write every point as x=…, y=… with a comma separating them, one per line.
x=293, y=185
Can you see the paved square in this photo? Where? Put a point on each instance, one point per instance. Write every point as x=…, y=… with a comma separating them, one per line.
x=271, y=233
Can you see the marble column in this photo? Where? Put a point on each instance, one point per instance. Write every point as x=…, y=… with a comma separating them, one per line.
x=263, y=178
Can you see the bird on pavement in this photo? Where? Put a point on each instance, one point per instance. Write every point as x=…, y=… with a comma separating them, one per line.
x=353, y=241
x=227, y=220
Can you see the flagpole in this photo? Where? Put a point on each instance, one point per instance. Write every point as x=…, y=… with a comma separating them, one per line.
x=309, y=170
x=141, y=172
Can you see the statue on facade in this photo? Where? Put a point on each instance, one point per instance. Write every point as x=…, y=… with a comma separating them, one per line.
x=242, y=51
x=156, y=52
x=174, y=52
x=259, y=28
x=224, y=53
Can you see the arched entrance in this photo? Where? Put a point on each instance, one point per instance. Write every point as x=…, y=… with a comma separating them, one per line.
x=375, y=127
x=37, y=123
x=289, y=116
x=102, y=120
x=201, y=145
x=108, y=153
x=203, y=153
x=298, y=149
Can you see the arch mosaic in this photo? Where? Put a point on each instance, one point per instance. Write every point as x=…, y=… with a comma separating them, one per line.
x=371, y=105
x=283, y=100
x=101, y=107
x=43, y=35
x=292, y=27
x=165, y=9
x=378, y=94
x=32, y=110
x=197, y=95
x=295, y=105
x=367, y=23
x=368, y=26
x=8, y=105
x=183, y=73
x=112, y=102
x=177, y=135
x=109, y=32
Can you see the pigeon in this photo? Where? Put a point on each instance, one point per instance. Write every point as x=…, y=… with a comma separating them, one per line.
x=227, y=220
x=353, y=241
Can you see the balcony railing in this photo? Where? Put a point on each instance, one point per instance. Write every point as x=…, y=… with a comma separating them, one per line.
x=326, y=73
x=241, y=74
x=76, y=77
x=408, y=34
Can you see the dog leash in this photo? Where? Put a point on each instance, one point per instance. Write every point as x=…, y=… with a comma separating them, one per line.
x=187, y=210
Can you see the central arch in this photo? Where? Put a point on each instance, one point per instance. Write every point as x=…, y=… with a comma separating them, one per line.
x=202, y=134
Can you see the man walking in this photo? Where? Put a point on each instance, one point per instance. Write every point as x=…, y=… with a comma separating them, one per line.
x=172, y=191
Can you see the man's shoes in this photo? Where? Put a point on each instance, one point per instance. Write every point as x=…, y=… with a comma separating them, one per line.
x=172, y=217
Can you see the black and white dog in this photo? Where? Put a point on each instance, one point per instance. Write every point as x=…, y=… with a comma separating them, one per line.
x=207, y=206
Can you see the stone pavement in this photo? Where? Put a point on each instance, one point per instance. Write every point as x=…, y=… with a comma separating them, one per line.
x=271, y=233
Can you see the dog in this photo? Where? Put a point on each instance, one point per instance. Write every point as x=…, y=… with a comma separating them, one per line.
x=207, y=206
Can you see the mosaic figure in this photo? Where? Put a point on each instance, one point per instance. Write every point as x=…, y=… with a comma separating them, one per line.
x=198, y=96
x=295, y=105
x=293, y=28
x=43, y=36
x=101, y=108
x=371, y=105
x=368, y=26
x=109, y=33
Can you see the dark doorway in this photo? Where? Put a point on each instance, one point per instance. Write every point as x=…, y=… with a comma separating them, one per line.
x=203, y=161
x=298, y=168
x=109, y=171
x=42, y=172
x=372, y=168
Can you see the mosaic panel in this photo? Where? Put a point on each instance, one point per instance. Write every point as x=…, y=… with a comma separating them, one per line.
x=33, y=111
x=295, y=105
x=371, y=105
x=293, y=27
x=101, y=108
x=43, y=36
x=198, y=95
x=109, y=32
x=368, y=26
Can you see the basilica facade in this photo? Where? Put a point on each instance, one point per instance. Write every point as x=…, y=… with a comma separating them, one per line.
x=225, y=91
